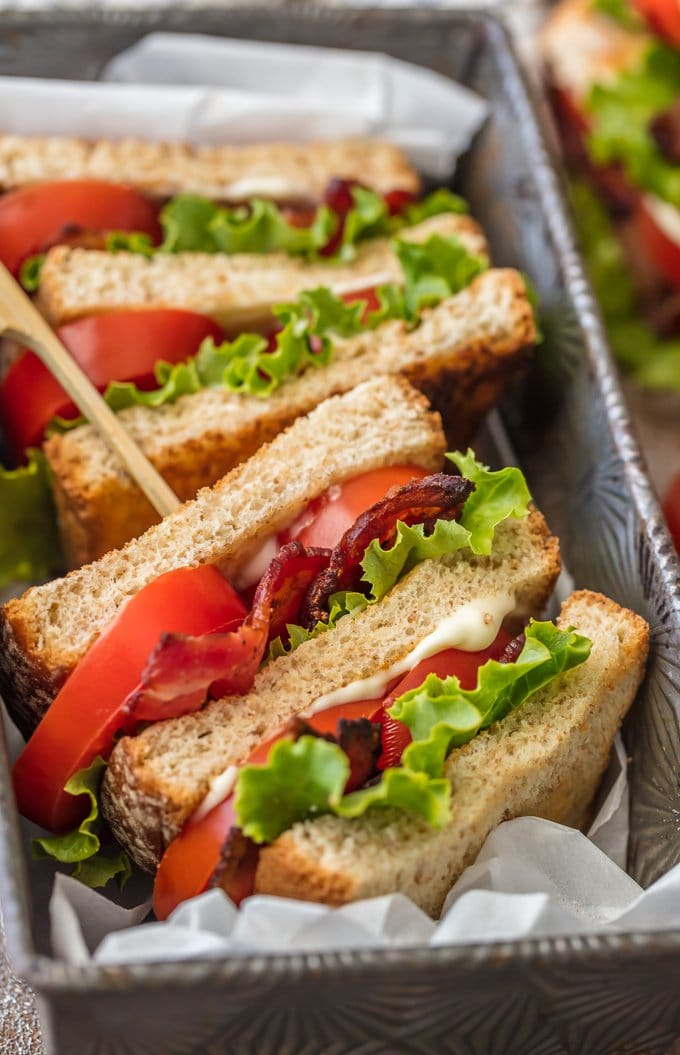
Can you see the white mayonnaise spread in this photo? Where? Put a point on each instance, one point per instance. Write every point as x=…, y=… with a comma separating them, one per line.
x=221, y=787
x=253, y=570
x=262, y=187
x=472, y=628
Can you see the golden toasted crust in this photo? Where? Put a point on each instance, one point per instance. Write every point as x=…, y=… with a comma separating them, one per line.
x=237, y=291
x=44, y=633
x=283, y=171
x=463, y=355
x=545, y=759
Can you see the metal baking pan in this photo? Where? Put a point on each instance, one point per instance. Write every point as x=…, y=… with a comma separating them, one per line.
x=584, y=996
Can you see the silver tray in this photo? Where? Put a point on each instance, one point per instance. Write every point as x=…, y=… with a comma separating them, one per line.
x=584, y=996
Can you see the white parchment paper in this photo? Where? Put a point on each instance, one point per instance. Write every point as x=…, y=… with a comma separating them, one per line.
x=532, y=878
x=204, y=90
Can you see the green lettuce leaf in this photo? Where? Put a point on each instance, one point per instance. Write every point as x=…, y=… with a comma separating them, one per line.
x=441, y=715
x=29, y=545
x=498, y=495
x=130, y=242
x=403, y=789
x=194, y=224
x=30, y=272
x=306, y=778
x=620, y=11
x=271, y=798
x=346, y=602
x=384, y=567
x=246, y=365
x=651, y=361
x=435, y=204
x=620, y=113
x=435, y=269
x=82, y=846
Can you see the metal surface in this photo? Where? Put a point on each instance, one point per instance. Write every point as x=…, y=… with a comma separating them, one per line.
x=609, y=994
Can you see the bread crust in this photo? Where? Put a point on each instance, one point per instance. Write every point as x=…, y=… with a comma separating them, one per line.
x=46, y=631
x=464, y=354
x=546, y=760
x=283, y=171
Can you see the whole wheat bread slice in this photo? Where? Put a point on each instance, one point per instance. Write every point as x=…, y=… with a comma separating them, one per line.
x=44, y=633
x=545, y=759
x=462, y=356
x=237, y=291
x=156, y=780
x=283, y=171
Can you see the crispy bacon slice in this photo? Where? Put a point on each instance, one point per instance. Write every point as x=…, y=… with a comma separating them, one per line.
x=511, y=652
x=360, y=739
x=436, y=497
x=235, y=872
x=183, y=671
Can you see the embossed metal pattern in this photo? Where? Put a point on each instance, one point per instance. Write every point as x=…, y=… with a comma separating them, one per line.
x=598, y=996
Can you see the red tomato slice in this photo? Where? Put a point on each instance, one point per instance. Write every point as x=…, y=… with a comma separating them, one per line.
x=328, y=517
x=89, y=710
x=663, y=251
x=465, y=665
x=33, y=217
x=114, y=346
x=192, y=857
x=369, y=295
x=663, y=16
x=671, y=508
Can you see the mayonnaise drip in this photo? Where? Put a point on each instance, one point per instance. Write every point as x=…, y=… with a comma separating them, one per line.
x=665, y=216
x=253, y=570
x=472, y=628
x=262, y=187
x=221, y=787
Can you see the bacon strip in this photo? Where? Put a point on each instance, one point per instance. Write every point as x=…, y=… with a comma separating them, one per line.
x=183, y=671
x=512, y=650
x=436, y=497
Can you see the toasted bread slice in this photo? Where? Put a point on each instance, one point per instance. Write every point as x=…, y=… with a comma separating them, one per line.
x=462, y=356
x=155, y=781
x=545, y=759
x=44, y=633
x=582, y=47
x=283, y=171
x=237, y=291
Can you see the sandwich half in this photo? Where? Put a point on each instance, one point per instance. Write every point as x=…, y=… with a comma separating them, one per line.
x=47, y=631
x=158, y=779
x=462, y=355
x=545, y=759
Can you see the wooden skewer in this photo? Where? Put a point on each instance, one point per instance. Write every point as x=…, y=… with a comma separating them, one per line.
x=22, y=322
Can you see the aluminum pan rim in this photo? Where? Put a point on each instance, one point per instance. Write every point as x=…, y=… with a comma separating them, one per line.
x=49, y=975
